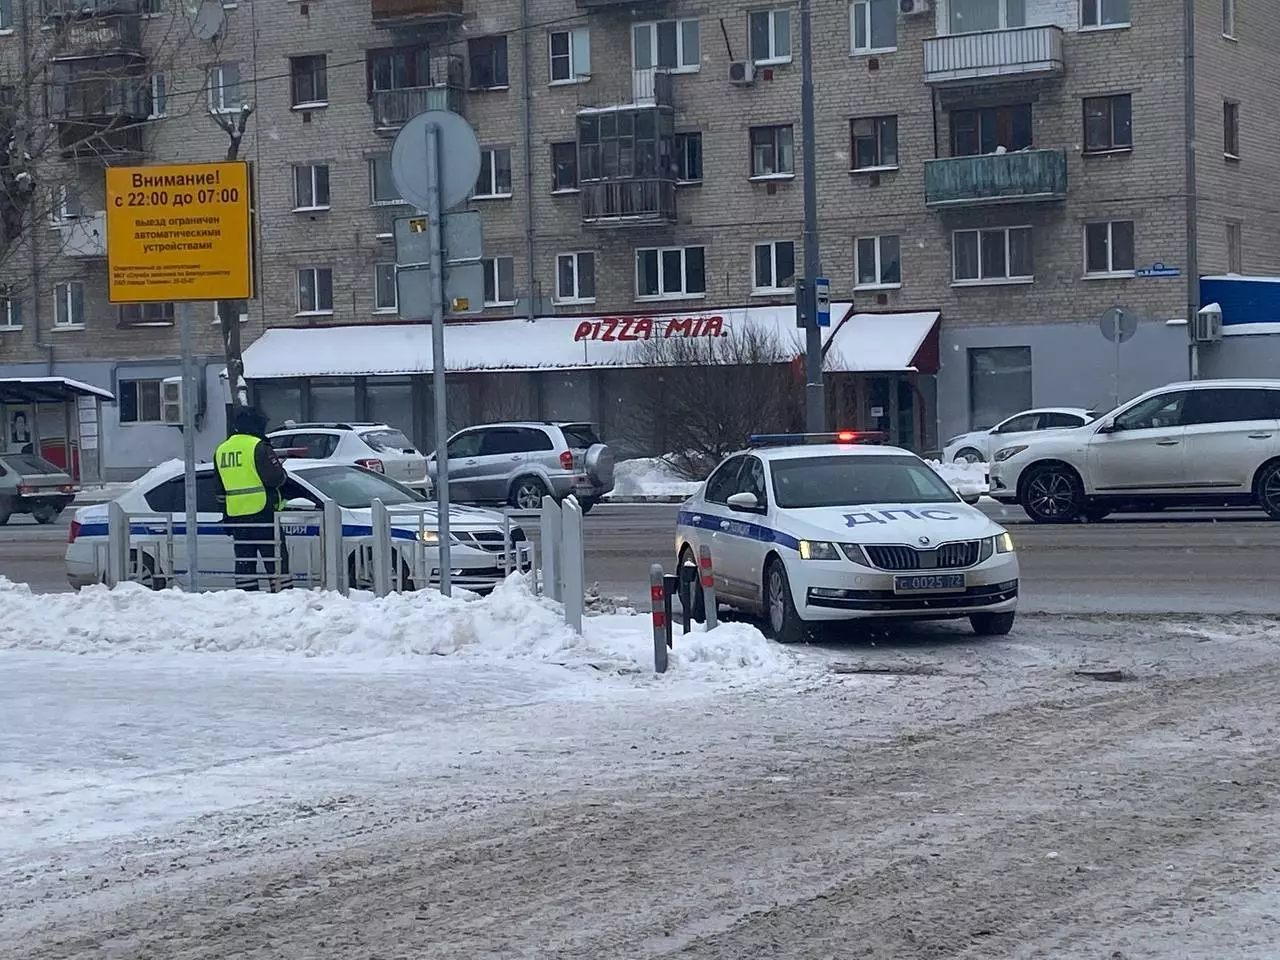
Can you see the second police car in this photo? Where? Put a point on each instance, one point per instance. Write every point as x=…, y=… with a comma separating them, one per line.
x=806, y=528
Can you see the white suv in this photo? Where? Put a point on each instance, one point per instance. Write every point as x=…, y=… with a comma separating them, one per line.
x=374, y=446
x=1203, y=443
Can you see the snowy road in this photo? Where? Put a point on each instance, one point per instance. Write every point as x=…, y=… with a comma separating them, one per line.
x=965, y=800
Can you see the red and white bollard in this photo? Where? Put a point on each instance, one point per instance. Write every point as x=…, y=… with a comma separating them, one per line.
x=658, y=603
x=708, y=587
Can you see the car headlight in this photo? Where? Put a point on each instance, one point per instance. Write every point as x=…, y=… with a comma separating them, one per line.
x=954, y=440
x=818, y=550
x=1004, y=453
x=432, y=537
x=1004, y=543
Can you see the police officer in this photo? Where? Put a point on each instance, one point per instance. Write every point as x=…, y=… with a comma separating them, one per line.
x=251, y=481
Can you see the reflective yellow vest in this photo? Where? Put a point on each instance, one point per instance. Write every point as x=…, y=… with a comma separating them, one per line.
x=246, y=493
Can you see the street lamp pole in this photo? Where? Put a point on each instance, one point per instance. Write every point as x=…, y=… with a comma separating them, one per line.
x=815, y=401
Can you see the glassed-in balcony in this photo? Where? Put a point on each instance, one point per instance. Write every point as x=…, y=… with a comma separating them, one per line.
x=1026, y=52
x=394, y=13
x=1025, y=176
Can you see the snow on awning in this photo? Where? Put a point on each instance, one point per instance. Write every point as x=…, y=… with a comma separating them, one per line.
x=884, y=343
x=20, y=390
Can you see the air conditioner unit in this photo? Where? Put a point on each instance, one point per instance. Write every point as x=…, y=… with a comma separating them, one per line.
x=1207, y=325
x=914, y=8
x=171, y=401
x=742, y=73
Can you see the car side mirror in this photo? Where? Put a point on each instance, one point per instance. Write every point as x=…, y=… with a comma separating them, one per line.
x=743, y=502
x=1107, y=426
x=299, y=503
x=971, y=498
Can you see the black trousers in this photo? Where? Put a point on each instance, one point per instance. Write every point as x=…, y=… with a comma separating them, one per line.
x=254, y=538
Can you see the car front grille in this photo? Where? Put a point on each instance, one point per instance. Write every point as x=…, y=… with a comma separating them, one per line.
x=948, y=556
x=491, y=540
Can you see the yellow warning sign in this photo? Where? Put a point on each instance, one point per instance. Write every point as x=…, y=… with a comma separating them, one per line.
x=179, y=233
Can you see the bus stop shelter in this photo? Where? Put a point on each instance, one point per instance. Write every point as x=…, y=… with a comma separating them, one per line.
x=57, y=418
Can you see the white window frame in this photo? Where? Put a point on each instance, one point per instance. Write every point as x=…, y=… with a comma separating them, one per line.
x=683, y=294
x=578, y=49
x=143, y=320
x=774, y=57
x=880, y=165
x=880, y=283
x=135, y=385
x=860, y=10
x=1229, y=19
x=373, y=183
x=1110, y=272
x=759, y=291
x=244, y=315
x=779, y=153
x=1007, y=279
x=309, y=104
x=298, y=205
x=378, y=288
x=574, y=257
x=1002, y=8
x=217, y=88
x=490, y=265
x=11, y=319
x=159, y=94
x=63, y=194
x=1098, y=6
x=681, y=65
x=493, y=193
x=62, y=298
x=316, y=310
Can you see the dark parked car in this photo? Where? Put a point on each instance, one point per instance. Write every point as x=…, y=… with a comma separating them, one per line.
x=31, y=484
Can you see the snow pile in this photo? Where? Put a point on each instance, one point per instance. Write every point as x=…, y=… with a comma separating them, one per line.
x=963, y=477
x=512, y=624
x=650, y=477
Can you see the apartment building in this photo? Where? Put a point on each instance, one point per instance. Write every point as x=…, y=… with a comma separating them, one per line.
x=992, y=177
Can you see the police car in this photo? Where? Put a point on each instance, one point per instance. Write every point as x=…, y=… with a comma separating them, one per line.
x=482, y=552
x=806, y=528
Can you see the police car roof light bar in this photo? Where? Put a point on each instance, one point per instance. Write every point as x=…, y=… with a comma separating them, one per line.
x=801, y=439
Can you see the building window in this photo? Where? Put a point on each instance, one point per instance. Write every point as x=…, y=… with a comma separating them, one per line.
x=400, y=68
x=11, y=313
x=315, y=290
x=564, y=166
x=622, y=144
x=148, y=8
x=770, y=36
x=874, y=143
x=1235, y=246
x=487, y=63
x=982, y=16
x=309, y=81
x=999, y=384
x=1229, y=18
x=772, y=152
x=874, y=26
x=6, y=14
x=146, y=314
x=237, y=310
x=879, y=262
x=668, y=45
x=1108, y=123
x=159, y=97
x=976, y=132
x=224, y=88
x=67, y=204
x=992, y=256
x=1108, y=248
x=687, y=157
x=670, y=273
x=570, y=55
x=139, y=401
x=1104, y=13
x=382, y=189
x=1231, y=129
x=499, y=281
x=69, y=304
x=576, y=277
x=384, y=288
x=774, y=267
x=311, y=187
x=495, y=173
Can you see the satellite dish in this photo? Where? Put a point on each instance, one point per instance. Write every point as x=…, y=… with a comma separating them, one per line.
x=1118, y=324
x=206, y=18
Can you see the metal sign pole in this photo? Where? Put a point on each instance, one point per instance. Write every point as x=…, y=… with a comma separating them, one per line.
x=189, y=444
x=434, y=213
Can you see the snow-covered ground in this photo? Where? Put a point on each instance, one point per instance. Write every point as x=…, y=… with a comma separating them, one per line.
x=964, y=477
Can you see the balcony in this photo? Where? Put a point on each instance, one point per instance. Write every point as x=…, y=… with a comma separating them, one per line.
x=1026, y=53
x=85, y=236
x=99, y=37
x=628, y=203
x=72, y=9
x=401, y=13
x=645, y=89
x=604, y=6
x=1027, y=176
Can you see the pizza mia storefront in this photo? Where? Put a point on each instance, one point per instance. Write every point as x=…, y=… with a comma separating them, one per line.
x=880, y=370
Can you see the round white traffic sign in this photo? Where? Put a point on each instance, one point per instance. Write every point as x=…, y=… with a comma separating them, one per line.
x=459, y=159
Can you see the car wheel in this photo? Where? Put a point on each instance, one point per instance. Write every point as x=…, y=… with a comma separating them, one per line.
x=1094, y=514
x=1269, y=490
x=43, y=513
x=356, y=582
x=1052, y=494
x=527, y=493
x=991, y=624
x=699, y=599
x=967, y=455
x=147, y=577
x=781, y=619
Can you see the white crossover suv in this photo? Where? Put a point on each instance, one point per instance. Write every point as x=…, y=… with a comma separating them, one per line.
x=827, y=527
x=1202, y=443
x=977, y=446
